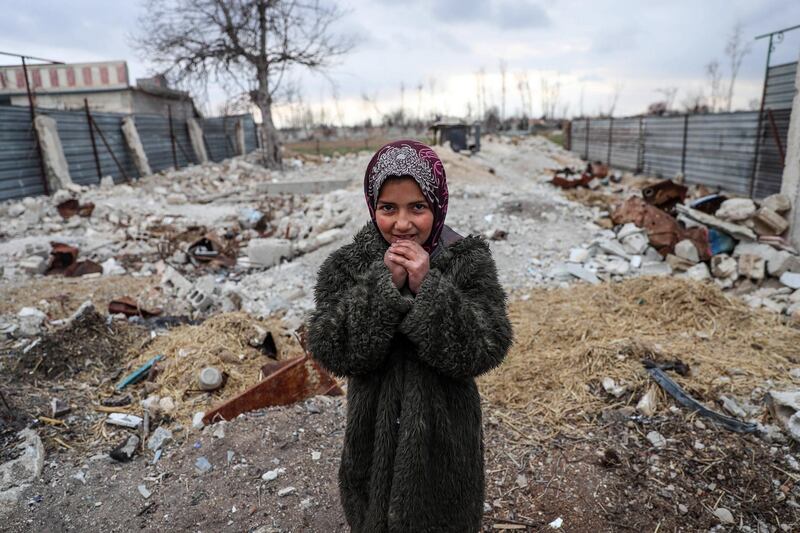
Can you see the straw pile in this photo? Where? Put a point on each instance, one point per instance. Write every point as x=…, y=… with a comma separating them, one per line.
x=568, y=340
x=222, y=341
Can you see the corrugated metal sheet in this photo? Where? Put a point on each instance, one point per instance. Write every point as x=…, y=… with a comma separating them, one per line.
x=220, y=136
x=154, y=131
x=20, y=172
x=778, y=97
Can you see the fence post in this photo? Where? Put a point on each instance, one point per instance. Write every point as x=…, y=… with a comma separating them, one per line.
x=683, y=150
x=586, y=148
x=172, y=138
x=610, y=139
x=45, y=184
x=94, y=143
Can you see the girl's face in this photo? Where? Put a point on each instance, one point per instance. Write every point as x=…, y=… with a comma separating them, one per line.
x=402, y=212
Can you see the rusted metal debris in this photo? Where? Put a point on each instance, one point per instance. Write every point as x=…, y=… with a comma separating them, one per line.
x=128, y=307
x=72, y=207
x=209, y=250
x=563, y=178
x=665, y=194
x=288, y=382
x=64, y=260
x=663, y=230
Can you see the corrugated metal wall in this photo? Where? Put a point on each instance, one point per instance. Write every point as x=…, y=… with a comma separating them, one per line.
x=717, y=149
x=20, y=173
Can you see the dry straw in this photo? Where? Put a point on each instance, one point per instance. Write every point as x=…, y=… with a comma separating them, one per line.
x=222, y=341
x=567, y=341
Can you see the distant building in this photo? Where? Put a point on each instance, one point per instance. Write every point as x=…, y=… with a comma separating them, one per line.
x=104, y=85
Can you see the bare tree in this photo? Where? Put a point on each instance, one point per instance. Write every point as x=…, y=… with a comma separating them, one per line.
x=715, y=82
x=695, y=102
x=735, y=50
x=669, y=94
x=250, y=42
x=551, y=94
x=612, y=104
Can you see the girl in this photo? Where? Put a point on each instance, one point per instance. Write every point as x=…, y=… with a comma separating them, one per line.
x=410, y=312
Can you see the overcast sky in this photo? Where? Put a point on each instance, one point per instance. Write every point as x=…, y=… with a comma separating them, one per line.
x=591, y=48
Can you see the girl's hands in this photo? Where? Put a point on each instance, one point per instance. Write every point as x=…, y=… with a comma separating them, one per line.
x=398, y=272
x=412, y=258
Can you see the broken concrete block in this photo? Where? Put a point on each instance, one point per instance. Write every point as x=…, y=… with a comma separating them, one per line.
x=16, y=210
x=58, y=407
x=33, y=265
x=635, y=243
x=176, y=198
x=124, y=420
x=686, y=249
x=783, y=261
x=791, y=280
x=648, y=404
x=698, y=272
x=582, y=273
x=765, y=251
x=579, y=255
x=200, y=300
x=125, y=449
x=679, y=263
x=784, y=407
x=636, y=261
x=55, y=164
x=613, y=248
x=768, y=222
x=268, y=252
x=31, y=321
x=18, y=474
x=736, y=209
x=779, y=203
x=628, y=229
x=615, y=265
x=651, y=268
x=724, y=266
x=159, y=438
x=752, y=266
x=172, y=280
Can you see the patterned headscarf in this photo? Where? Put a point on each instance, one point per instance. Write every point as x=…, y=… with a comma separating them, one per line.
x=414, y=159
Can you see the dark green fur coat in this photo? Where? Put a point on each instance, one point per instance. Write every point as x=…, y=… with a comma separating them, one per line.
x=413, y=450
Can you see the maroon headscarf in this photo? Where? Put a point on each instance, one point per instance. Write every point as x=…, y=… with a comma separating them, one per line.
x=414, y=159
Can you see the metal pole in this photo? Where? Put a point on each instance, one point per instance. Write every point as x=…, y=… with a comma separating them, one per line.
x=32, y=106
x=683, y=151
x=760, y=120
x=110, y=151
x=172, y=138
x=610, y=139
x=777, y=136
x=94, y=144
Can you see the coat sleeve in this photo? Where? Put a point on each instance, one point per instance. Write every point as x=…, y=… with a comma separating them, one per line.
x=355, y=318
x=458, y=321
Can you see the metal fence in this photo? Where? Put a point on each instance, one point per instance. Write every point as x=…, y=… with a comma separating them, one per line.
x=20, y=165
x=716, y=149
x=739, y=152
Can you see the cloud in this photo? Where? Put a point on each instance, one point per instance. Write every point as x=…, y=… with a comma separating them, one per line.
x=513, y=15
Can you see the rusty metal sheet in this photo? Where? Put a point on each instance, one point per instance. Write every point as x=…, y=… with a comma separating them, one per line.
x=289, y=382
x=663, y=230
x=209, y=250
x=566, y=183
x=665, y=194
x=129, y=307
x=72, y=207
x=82, y=268
x=62, y=256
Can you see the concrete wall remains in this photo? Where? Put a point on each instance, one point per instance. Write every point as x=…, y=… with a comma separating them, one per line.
x=134, y=143
x=112, y=101
x=239, y=136
x=55, y=164
x=196, y=137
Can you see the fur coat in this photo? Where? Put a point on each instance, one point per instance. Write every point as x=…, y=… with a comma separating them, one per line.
x=413, y=450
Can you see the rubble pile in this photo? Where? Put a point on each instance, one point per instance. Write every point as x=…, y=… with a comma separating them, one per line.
x=734, y=242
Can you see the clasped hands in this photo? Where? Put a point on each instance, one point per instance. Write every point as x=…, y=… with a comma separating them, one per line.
x=407, y=260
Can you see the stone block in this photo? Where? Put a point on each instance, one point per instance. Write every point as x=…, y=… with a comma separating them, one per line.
x=791, y=280
x=635, y=243
x=764, y=251
x=698, y=272
x=201, y=300
x=679, y=263
x=736, y=209
x=752, y=266
x=268, y=252
x=780, y=203
x=686, y=249
x=768, y=222
x=783, y=261
x=34, y=264
x=172, y=280
x=724, y=266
